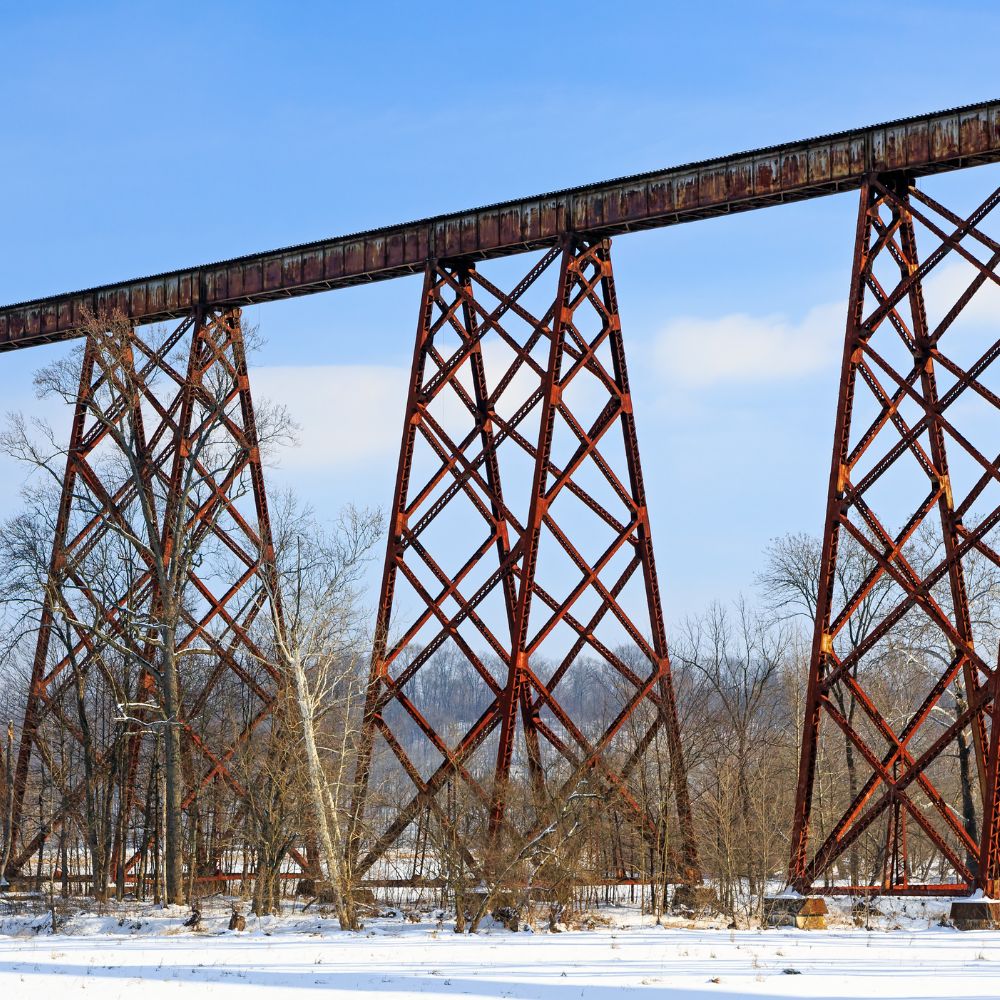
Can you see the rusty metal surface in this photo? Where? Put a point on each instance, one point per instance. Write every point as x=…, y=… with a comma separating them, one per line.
x=522, y=750
x=906, y=392
x=793, y=171
x=213, y=342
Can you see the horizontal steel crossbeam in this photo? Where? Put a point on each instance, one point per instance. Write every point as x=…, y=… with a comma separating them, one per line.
x=794, y=171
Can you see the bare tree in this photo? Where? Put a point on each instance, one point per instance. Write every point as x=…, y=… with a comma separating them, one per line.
x=319, y=641
x=77, y=603
x=276, y=804
x=738, y=659
x=790, y=583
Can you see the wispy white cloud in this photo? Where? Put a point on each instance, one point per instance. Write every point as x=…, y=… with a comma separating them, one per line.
x=944, y=286
x=698, y=351
x=738, y=347
x=347, y=414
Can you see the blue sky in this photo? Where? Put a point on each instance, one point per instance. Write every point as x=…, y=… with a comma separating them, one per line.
x=141, y=137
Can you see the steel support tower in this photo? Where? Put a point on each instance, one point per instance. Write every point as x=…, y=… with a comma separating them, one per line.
x=519, y=446
x=175, y=403
x=914, y=501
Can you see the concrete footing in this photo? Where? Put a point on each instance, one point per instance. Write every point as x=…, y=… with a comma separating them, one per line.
x=975, y=914
x=807, y=913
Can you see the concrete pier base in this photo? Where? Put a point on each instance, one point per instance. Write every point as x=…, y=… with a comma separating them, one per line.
x=807, y=913
x=975, y=914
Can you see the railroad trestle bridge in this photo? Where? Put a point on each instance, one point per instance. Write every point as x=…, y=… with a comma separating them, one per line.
x=557, y=335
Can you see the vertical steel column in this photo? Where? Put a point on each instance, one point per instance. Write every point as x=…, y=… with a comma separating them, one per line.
x=34, y=707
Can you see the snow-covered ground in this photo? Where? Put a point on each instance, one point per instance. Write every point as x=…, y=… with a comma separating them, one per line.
x=141, y=952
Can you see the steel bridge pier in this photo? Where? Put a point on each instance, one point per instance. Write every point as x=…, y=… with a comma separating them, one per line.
x=912, y=499
x=518, y=422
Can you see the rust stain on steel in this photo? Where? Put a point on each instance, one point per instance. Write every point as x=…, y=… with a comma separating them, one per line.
x=583, y=298
x=903, y=789
x=925, y=144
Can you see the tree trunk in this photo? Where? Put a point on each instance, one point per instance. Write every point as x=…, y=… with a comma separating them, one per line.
x=746, y=813
x=8, y=804
x=173, y=848
x=965, y=768
x=95, y=835
x=267, y=891
x=346, y=913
